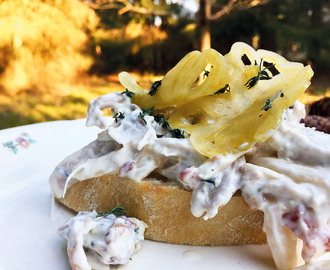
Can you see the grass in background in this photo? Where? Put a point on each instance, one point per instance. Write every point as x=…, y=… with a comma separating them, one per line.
x=28, y=108
x=72, y=103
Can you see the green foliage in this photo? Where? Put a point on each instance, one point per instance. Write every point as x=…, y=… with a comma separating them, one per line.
x=303, y=31
x=143, y=48
x=111, y=19
x=43, y=44
x=27, y=108
x=240, y=26
x=299, y=30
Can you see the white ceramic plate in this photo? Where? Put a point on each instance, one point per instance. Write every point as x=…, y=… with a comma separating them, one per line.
x=29, y=241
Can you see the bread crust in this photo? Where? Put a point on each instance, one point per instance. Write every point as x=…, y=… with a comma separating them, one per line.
x=165, y=208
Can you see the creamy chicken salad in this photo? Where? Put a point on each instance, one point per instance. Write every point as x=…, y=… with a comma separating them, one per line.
x=96, y=241
x=285, y=173
x=287, y=177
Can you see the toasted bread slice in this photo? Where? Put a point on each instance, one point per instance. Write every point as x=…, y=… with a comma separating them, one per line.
x=165, y=208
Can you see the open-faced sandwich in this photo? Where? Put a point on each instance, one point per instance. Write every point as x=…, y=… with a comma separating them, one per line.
x=221, y=162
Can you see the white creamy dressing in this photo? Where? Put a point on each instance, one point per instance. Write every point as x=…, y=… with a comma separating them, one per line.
x=211, y=193
x=97, y=242
x=318, y=265
x=130, y=148
x=60, y=176
x=289, y=180
x=287, y=177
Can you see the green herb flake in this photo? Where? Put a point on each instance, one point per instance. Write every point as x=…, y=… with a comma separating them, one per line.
x=177, y=133
x=222, y=90
x=262, y=75
x=154, y=87
x=119, y=115
x=149, y=111
x=159, y=117
x=128, y=93
x=269, y=101
x=141, y=115
x=206, y=73
x=117, y=211
x=267, y=106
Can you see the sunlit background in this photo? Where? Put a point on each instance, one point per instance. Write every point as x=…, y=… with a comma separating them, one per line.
x=57, y=55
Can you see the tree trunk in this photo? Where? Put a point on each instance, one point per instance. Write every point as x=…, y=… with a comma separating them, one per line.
x=204, y=14
x=267, y=31
x=316, y=24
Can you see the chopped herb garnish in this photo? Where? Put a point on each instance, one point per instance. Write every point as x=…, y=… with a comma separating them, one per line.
x=222, y=90
x=267, y=106
x=154, y=87
x=262, y=75
x=177, y=133
x=128, y=93
x=269, y=101
x=206, y=73
x=159, y=117
x=141, y=115
x=117, y=211
x=98, y=254
x=119, y=115
x=149, y=111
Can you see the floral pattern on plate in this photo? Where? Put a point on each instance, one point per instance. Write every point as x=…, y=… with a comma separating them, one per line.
x=21, y=142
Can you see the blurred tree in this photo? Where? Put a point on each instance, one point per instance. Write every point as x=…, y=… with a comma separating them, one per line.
x=43, y=44
x=299, y=30
x=209, y=11
x=303, y=30
x=135, y=42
